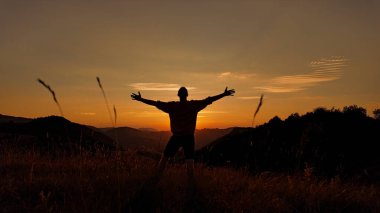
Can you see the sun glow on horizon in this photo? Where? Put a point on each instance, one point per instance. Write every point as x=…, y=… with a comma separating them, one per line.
x=301, y=55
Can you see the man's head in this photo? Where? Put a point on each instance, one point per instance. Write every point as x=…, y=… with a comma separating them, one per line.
x=182, y=92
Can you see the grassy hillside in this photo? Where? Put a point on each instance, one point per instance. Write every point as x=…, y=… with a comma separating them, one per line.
x=111, y=183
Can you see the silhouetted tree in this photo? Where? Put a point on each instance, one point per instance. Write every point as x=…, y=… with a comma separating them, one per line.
x=275, y=120
x=293, y=117
x=330, y=141
x=376, y=113
x=319, y=110
x=354, y=110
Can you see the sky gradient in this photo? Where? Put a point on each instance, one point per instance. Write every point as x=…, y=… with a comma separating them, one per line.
x=299, y=54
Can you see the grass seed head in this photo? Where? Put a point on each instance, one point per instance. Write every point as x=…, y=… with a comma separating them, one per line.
x=113, y=121
x=52, y=93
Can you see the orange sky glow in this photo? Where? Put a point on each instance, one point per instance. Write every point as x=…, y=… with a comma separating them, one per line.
x=300, y=55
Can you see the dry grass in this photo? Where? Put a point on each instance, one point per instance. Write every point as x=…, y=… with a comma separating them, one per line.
x=35, y=183
x=257, y=109
x=113, y=121
x=53, y=95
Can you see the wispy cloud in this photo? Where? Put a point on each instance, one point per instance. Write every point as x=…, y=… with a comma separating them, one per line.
x=248, y=97
x=157, y=86
x=323, y=70
x=234, y=75
x=211, y=112
x=277, y=89
x=224, y=74
x=88, y=113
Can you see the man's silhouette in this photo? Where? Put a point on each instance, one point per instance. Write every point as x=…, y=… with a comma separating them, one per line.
x=183, y=118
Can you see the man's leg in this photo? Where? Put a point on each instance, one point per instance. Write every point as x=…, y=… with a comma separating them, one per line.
x=169, y=152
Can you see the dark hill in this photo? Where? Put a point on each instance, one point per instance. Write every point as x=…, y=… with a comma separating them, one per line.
x=53, y=134
x=129, y=137
x=204, y=137
x=12, y=119
x=136, y=138
x=324, y=142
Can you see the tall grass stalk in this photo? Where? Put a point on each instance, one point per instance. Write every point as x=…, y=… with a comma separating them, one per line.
x=117, y=153
x=115, y=114
x=257, y=110
x=253, y=120
x=57, y=103
x=68, y=140
x=106, y=100
x=52, y=93
x=115, y=125
x=118, y=156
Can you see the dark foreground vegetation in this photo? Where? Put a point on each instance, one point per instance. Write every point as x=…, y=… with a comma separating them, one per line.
x=327, y=160
x=98, y=183
x=326, y=142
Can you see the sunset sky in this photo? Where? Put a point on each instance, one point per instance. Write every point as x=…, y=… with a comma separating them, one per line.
x=299, y=54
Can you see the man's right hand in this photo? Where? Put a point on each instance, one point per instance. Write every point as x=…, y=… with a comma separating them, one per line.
x=136, y=97
x=229, y=92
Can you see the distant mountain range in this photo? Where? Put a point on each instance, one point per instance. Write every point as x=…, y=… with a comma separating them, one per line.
x=51, y=134
x=59, y=133
x=12, y=119
x=129, y=137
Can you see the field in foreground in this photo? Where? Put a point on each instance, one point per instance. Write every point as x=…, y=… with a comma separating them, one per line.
x=99, y=183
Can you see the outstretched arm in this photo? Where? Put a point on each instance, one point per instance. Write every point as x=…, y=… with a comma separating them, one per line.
x=226, y=92
x=138, y=97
